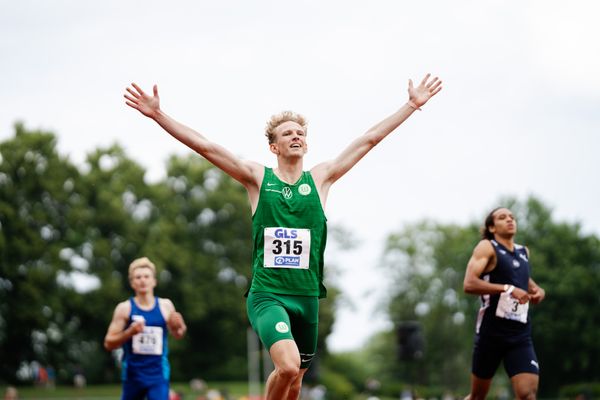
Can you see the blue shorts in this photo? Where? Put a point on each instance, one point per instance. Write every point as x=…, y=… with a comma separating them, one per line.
x=276, y=317
x=141, y=391
x=518, y=355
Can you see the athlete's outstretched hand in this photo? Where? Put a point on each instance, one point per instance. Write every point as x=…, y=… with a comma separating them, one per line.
x=143, y=102
x=427, y=89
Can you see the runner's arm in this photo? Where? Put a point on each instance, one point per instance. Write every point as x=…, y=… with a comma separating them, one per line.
x=481, y=259
x=246, y=172
x=536, y=293
x=328, y=172
x=117, y=334
x=175, y=322
x=482, y=256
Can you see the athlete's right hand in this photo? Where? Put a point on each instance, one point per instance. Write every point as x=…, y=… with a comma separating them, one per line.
x=520, y=295
x=143, y=102
x=137, y=327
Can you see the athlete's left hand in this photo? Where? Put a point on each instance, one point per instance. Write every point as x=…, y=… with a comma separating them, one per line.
x=176, y=324
x=427, y=89
x=536, y=295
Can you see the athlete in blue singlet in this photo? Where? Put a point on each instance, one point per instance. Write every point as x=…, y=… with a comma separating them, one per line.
x=140, y=326
x=499, y=272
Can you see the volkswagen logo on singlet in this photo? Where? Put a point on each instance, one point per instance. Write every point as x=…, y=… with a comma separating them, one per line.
x=287, y=192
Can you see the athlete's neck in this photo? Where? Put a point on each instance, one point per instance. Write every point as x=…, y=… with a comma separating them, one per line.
x=507, y=242
x=145, y=300
x=288, y=172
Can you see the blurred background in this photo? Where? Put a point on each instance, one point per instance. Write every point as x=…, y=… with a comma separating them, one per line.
x=88, y=184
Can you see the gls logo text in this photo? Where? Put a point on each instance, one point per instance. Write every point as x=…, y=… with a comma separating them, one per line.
x=286, y=233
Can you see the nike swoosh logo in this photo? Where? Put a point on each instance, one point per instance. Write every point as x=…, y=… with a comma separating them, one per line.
x=271, y=184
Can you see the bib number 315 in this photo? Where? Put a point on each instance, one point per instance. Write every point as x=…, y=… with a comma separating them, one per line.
x=287, y=248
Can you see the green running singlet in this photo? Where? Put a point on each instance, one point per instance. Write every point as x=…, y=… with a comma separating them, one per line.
x=289, y=233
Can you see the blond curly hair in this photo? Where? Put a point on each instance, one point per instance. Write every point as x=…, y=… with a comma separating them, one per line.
x=279, y=119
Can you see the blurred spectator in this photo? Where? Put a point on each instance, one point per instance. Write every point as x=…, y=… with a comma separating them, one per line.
x=173, y=395
x=51, y=376
x=79, y=381
x=214, y=394
x=11, y=393
x=197, y=385
x=407, y=394
x=372, y=385
x=317, y=393
x=42, y=377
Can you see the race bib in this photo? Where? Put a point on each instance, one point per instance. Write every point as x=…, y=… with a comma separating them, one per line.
x=510, y=308
x=287, y=248
x=148, y=342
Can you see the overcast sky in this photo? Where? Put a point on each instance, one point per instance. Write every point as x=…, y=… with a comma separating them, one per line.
x=519, y=113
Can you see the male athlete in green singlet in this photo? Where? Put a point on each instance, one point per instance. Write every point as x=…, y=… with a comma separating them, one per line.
x=288, y=225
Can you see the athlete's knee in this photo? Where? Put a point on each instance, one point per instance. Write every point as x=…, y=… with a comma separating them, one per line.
x=288, y=371
x=525, y=386
x=529, y=393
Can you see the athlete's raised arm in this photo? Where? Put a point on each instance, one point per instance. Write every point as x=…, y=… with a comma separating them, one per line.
x=328, y=172
x=248, y=173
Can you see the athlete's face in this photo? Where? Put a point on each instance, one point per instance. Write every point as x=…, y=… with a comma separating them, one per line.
x=290, y=140
x=142, y=280
x=505, y=223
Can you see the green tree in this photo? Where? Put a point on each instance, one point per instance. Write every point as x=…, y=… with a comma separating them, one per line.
x=427, y=262
x=203, y=239
x=37, y=208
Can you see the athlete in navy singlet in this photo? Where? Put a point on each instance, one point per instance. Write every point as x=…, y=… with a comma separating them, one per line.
x=141, y=325
x=499, y=272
